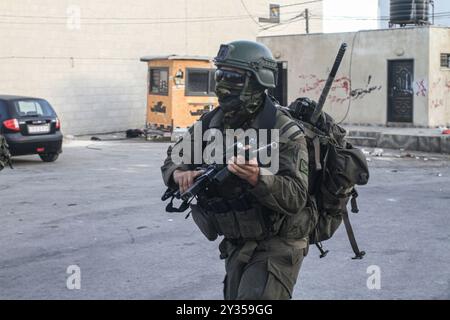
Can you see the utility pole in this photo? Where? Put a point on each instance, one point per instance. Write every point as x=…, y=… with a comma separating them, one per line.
x=307, y=20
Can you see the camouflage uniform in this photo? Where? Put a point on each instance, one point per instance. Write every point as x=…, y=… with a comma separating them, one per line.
x=265, y=241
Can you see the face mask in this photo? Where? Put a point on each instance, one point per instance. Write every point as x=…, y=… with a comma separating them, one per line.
x=239, y=98
x=229, y=85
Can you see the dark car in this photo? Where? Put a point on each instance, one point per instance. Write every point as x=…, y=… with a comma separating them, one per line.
x=30, y=126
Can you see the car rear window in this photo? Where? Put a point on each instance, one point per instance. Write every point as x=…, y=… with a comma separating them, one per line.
x=33, y=108
x=4, y=112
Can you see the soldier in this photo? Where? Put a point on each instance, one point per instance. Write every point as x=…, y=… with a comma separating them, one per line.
x=5, y=156
x=265, y=218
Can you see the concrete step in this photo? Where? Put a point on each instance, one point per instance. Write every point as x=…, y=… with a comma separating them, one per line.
x=359, y=133
x=400, y=140
x=362, y=141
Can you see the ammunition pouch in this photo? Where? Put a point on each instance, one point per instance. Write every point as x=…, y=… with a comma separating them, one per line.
x=204, y=222
x=300, y=225
x=237, y=219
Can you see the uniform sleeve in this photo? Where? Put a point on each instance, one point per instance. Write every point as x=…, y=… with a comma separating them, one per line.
x=169, y=166
x=286, y=191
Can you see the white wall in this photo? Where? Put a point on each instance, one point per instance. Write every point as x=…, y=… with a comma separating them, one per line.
x=310, y=59
x=83, y=55
x=439, y=82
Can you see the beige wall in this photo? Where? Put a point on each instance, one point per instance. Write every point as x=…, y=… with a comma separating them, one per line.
x=310, y=59
x=439, y=82
x=90, y=71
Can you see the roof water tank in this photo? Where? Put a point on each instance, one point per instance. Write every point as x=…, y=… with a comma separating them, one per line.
x=404, y=12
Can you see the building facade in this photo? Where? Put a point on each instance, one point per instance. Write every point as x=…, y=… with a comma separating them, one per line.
x=391, y=76
x=84, y=55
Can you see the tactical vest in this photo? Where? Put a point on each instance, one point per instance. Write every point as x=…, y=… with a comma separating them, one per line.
x=231, y=211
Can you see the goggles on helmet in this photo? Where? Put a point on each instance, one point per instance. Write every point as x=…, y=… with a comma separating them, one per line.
x=229, y=75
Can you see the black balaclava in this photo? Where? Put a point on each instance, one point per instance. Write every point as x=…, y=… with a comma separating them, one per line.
x=239, y=102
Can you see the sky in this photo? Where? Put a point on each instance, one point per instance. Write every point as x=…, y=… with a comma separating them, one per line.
x=363, y=13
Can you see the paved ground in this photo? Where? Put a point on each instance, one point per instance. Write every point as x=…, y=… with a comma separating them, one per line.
x=98, y=207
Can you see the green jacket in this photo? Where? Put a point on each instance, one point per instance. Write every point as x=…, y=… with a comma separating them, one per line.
x=283, y=196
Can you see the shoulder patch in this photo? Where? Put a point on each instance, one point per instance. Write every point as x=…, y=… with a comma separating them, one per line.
x=303, y=166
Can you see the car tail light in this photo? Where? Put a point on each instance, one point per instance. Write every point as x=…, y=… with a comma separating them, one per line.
x=58, y=124
x=12, y=124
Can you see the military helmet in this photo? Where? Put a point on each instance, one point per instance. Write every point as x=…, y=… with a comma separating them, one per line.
x=251, y=56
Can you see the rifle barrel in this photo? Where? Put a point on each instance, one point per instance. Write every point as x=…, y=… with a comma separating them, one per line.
x=329, y=83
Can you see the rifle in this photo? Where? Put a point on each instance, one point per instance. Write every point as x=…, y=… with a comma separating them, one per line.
x=328, y=84
x=213, y=174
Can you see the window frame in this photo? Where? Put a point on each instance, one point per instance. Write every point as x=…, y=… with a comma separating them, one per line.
x=160, y=93
x=445, y=58
x=210, y=92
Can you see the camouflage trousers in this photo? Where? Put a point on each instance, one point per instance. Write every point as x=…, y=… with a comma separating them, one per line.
x=262, y=270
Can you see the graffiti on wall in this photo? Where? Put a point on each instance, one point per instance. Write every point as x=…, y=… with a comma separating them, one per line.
x=362, y=92
x=159, y=108
x=436, y=103
x=340, y=92
x=441, y=88
x=421, y=88
x=201, y=111
x=442, y=83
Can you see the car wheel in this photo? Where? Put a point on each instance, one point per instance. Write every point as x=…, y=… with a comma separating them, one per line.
x=49, y=157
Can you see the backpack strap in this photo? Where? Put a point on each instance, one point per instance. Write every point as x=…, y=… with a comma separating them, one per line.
x=316, y=144
x=315, y=137
x=351, y=236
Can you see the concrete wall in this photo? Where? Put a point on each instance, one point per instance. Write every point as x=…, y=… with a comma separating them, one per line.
x=310, y=59
x=439, y=81
x=83, y=55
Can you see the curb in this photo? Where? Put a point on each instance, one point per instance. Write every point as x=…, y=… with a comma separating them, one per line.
x=434, y=144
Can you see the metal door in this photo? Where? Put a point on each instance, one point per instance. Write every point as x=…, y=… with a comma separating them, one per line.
x=401, y=92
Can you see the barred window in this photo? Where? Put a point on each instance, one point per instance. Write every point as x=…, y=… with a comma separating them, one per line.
x=159, y=79
x=200, y=82
x=445, y=60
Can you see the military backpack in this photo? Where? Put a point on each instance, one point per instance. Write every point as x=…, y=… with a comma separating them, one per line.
x=335, y=167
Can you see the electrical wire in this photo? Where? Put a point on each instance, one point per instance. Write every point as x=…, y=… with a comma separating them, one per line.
x=117, y=18
x=285, y=23
x=444, y=14
x=66, y=58
x=300, y=3
x=249, y=14
x=350, y=78
x=124, y=23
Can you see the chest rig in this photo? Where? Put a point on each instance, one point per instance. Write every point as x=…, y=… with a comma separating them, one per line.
x=229, y=209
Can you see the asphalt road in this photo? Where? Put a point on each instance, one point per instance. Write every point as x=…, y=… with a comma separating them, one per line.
x=98, y=207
